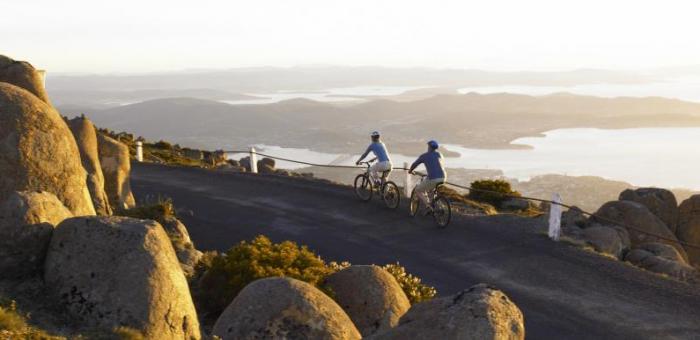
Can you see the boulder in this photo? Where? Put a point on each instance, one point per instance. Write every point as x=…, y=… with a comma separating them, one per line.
x=573, y=217
x=38, y=151
x=116, y=167
x=610, y=240
x=479, y=312
x=689, y=228
x=370, y=296
x=22, y=74
x=661, y=258
x=86, y=138
x=27, y=220
x=641, y=224
x=245, y=162
x=283, y=308
x=660, y=202
x=119, y=271
x=186, y=253
x=193, y=154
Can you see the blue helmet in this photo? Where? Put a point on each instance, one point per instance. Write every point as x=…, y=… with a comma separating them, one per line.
x=433, y=144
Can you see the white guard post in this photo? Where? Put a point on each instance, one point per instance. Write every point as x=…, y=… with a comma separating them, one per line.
x=139, y=151
x=253, y=161
x=555, y=217
x=407, y=180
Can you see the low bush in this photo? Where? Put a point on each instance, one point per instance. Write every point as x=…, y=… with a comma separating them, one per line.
x=415, y=289
x=490, y=191
x=157, y=211
x=220, y=277
x=257, y=259
x=163, y=145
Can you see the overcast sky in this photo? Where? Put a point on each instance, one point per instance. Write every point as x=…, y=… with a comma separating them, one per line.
x=155, y=35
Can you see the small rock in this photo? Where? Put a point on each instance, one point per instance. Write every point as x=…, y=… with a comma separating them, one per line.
x=661, y=258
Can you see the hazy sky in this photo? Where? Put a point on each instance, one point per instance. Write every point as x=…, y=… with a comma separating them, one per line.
x=155, y=35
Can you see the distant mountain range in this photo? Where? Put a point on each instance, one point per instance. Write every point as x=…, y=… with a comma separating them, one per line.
x=472, y=120
x=271, y=79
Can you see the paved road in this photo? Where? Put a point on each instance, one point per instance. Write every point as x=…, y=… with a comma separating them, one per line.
x=564, y=292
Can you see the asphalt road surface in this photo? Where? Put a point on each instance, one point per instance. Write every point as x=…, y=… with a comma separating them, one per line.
x=564, y=292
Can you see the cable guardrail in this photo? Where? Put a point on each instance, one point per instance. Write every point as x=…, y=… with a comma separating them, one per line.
x=469, y=188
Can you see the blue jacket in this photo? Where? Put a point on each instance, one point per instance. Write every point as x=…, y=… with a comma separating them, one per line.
x=433, y=163
x=379, y=150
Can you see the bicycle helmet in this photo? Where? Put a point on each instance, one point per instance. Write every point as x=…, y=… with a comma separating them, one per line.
x=375, y=134
x=433, y=144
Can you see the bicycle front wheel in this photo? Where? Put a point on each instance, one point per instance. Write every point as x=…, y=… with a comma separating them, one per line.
x=363, y=187
x=391, y=195
x=442, y=213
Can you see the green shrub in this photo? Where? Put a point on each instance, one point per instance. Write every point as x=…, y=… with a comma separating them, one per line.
x=10, y=320
x=218, y=278
x=415, y=290
x=498, y=191
x=157, y=211
x=249, y=261
x=163, y=145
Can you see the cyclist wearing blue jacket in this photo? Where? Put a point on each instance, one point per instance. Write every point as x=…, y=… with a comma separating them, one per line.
x=433, y=162
x=378, y=148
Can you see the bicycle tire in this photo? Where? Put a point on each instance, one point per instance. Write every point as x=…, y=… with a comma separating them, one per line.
x=442, y=212
x=413, y=204
x=363, y=188
x=391, y=195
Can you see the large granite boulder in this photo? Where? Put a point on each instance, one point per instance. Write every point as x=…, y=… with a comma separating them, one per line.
x=370, y=296
x=641, y=224
x=689, y=228
x=86, y=138
x=660, y=202
x=23, y=74
x=116, y=168
x=661, y=258
x=609, y=240
x=479, y=312
x=38, y=151
x=27, y=220
x=120, y=271
x=186, y=253
x=283, y=308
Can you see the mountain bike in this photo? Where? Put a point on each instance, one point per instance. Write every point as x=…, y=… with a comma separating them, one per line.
x=439, y=205
x=365, y=187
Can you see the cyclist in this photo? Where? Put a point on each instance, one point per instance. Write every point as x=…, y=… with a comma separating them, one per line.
x=433, y=162
x=383, y=164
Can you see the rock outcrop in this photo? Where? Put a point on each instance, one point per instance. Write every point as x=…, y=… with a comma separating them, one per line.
x=661, y=258
x=370, y=296
x=479, y=312
x=689, y=227
x=38, y=151
x=641, y=224
x=660, y=202
x=609, y=240
x=116, y=167
x=86, y=138
x=27, y=220
x=283, y=308
x=186, y=253
x=119, y=271
x=266, y=166
x=23, y=74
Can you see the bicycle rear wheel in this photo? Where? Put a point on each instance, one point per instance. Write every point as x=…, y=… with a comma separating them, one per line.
x=442, y=213
x=413, y=204
x=363, y=187
x=391, y=195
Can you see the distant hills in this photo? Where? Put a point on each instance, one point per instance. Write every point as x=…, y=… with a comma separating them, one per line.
x=110, y=98
x=473, y=120
x=271, y=79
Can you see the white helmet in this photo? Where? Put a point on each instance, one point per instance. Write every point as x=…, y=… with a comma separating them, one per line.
x=375, y=134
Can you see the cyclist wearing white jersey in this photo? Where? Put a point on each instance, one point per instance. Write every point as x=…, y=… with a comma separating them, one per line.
x=383, y=163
